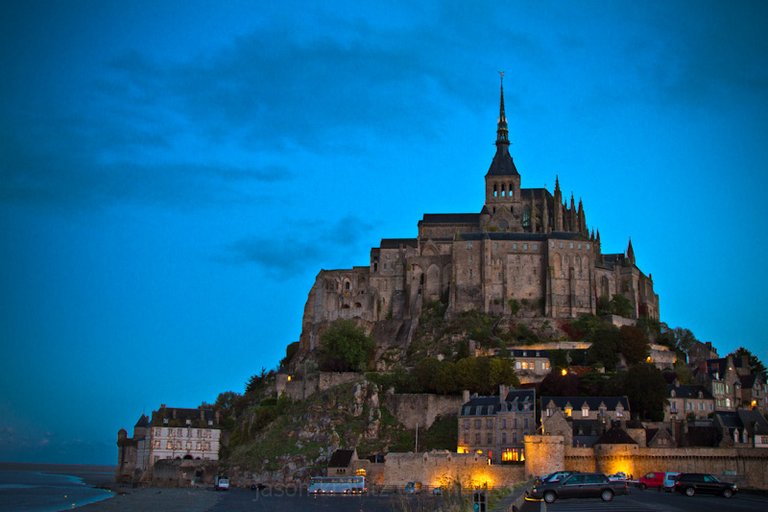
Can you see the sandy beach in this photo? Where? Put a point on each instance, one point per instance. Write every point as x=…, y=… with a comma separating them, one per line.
x=154, y=499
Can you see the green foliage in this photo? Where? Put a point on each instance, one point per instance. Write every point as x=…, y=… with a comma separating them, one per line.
x=584, y=327
x=558, y=359
x=605, y=347
x=683, y=372
x=620, y=305
x=259, y=383
x=514, y=307
x=345, y=347
x=633, y=344
x=603, y=305
x=482, y=375
x=755, y=365
x=401, y=380
x=556, y=384
x=442, y=435
x=646, y=389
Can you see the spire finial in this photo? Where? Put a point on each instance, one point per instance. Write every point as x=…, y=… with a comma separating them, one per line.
x=502, y=134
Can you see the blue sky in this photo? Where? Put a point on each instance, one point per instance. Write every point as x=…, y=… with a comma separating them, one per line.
x=173, y=175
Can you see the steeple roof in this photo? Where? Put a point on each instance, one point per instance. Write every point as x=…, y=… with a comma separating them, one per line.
x=502, y=164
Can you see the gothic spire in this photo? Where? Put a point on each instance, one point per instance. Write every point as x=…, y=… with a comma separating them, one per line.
x=502, y=164
x=630, y=252
x=502, y=134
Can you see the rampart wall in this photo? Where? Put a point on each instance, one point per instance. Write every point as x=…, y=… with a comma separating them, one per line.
x=444, y=468
x=747, y=466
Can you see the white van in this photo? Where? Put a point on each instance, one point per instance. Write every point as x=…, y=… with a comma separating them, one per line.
x=222, y=483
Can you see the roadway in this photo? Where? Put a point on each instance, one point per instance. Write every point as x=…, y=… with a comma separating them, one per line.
x=654, y=501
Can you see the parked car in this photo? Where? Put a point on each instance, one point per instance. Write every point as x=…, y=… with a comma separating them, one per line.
x=669, y=480
x=221, y=483
x=618, y=477
x=652, y=480
x=554, y=477
x=704, y=483
x=579, y=485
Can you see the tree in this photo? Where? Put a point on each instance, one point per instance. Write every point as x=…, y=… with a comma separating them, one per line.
x=557, y=384
x=426, y=372
x=345, y=347
x=605, y=347
x=444, y=381
x=633, y=344
x=682, y=340
x=755, y=365
x=620, y=305
x=502, y=371
x=647, y=391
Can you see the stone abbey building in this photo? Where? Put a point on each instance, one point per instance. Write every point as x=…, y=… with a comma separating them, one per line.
x=526, y=246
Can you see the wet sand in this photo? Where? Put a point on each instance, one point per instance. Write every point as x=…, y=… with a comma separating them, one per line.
x=160, y=500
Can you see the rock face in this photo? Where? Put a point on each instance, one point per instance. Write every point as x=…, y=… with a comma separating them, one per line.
x=304, y=436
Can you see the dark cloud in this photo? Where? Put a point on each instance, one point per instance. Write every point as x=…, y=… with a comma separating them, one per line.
x=294, y=250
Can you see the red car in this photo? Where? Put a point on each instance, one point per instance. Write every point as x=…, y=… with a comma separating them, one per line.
x=654, y=479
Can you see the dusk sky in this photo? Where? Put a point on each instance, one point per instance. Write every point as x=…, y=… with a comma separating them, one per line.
x=174, y=174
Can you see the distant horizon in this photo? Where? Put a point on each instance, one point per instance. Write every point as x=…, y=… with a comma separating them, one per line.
x=172, y=179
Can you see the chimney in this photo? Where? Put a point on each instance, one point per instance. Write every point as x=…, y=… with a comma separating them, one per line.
x=465, y=396
x=503, y=392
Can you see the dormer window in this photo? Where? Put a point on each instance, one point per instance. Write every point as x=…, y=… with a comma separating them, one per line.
x=585, y=411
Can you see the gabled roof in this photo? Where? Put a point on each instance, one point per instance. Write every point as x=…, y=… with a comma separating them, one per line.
x=143, y=421
x=341, y=459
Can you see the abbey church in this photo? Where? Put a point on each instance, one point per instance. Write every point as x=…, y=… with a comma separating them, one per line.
x=526, y=246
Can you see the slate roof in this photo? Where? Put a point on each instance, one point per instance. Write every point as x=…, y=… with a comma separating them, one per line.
x=516, y=400
x=701, y=436
x=752, y=420
x=502, y=164
x=341, y=459
x=592, y=401
x=616, y=436
x=143, y=421
x=747, y=381
x=688, y=391
x=451, y=218
x=395, y=243
x=176, y=416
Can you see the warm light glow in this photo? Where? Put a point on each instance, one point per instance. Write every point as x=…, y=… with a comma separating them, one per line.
x=479, y=452
x=754, y=403
x=289, y=378
x=462, y=449
x=563, y=372
x=649, y=359
x=360, y=472
x=513, y=455
x=568, y=411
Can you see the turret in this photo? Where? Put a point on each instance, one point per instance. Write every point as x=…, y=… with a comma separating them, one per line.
x=630, y=253
x=558, y=206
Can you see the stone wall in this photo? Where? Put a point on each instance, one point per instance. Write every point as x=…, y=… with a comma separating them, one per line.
x=184, y=473
x=444, y=468
x=748, y=466
x=421, y=409
x=300, y=389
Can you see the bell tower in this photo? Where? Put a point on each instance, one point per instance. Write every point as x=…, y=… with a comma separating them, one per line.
x=502, y=182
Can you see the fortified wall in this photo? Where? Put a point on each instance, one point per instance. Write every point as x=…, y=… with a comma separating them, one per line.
x=444, y=468
x=748, y=466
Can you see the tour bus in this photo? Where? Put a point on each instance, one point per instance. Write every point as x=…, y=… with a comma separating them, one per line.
x=337, y=485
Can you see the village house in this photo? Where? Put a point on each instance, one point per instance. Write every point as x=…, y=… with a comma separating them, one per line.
x=497, y=425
